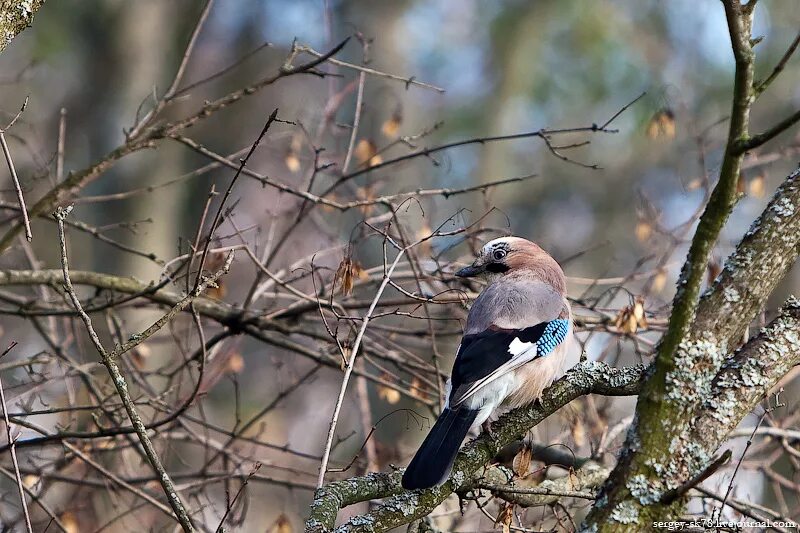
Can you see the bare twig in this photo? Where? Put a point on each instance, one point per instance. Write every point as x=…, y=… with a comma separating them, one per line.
x=236, y=497
x=162, y=102
x=761, y=86
x=348, y=369
x=426, y=152
x=356, y=122
x=15, y=179
x=367, y=70
x=217, y=217
x=118, y=480
x=122, y=387
x=13, y=449
x=62, y=140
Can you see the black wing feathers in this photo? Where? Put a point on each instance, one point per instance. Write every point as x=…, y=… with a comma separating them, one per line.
x=482, y=353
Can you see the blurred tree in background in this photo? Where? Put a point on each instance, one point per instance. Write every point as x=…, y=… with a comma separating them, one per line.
x=252, y=283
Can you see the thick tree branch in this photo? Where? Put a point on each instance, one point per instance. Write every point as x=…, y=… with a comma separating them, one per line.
x=751, y=273
x=743, y=381
x=747, y=376
x=585, y=378
x=711, y=222
x=689, y=356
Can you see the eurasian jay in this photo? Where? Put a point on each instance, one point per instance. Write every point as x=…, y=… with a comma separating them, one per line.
x=513, y=346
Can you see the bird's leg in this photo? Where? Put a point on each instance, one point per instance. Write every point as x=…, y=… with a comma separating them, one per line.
x=486, y=426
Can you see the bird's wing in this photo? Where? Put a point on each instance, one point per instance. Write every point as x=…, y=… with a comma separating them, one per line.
x=483, y=357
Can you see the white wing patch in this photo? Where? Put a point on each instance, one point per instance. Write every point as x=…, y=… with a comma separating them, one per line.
x=521, y=353
x=518, y=347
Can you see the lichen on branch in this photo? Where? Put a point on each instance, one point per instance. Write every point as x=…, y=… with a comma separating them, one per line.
x=701, y=332
x=15, y=16
x=405, y=506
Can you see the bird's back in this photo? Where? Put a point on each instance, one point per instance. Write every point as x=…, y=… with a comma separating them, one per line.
x=514, y=304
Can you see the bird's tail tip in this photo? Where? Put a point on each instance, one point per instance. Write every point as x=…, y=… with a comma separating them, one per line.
x=433, y=461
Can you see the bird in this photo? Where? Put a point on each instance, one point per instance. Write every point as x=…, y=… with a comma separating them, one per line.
x=514, y=345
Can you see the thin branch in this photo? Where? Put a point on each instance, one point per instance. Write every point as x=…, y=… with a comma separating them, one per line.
x=188, y=50
x=10, y=162
x=122, y=387
x=236, y=497
x=356, y=122
x=348, y=369
x=663, y=409
x=62, y=139
x=367, y=70
x=761, y=86
x=761, y=138
x=118, y=480
x=176, y=80
x=13, y=448
x=273, y=116
x=426, y=152
x=578, y=483
x=147, y=138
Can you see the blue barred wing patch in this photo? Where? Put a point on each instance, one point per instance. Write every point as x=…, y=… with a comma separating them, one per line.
x=554, y=334
x=485, y=356
x=545, y=336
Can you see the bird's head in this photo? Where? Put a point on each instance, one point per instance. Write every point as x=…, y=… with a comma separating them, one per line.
x=510, y=255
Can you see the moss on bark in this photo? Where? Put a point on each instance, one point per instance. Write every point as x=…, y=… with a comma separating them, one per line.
x=15, y=16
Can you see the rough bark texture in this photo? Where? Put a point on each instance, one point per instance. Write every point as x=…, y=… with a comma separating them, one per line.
x=587, y=377
x=647, y=466
x=697, y=389
x=659, y=455
x=705, y=385
x=15, y=16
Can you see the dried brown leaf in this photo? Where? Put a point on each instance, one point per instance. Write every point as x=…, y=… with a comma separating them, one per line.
x=344, y=275
x=522, y=461
x=662, y=124
x=643, y=230
x=756, y=187
x=417, y=388
x=70, y=522
x=391, y=127
x=281, y=525
x=388, y=394
x=30, y=481
x=714, y=269
x=367, y=153
x=659, y=280
x=292, y=162
x=638, y=312
x=235, y=363
x=505, y=516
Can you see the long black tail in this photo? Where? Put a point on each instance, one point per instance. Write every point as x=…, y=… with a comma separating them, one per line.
x=434, y=459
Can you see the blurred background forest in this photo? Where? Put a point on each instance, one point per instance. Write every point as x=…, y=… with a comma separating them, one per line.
x=504, y=67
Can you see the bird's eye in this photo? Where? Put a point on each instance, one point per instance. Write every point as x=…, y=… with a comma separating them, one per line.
x=499, y=255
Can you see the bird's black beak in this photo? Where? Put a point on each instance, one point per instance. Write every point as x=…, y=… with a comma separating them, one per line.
x=470, y=271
